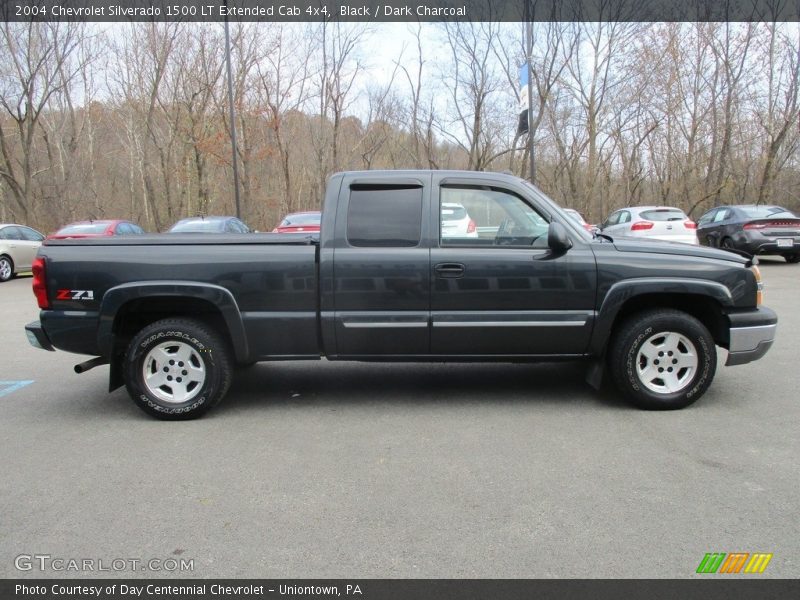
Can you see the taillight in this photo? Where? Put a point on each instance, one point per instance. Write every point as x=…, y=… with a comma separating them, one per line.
x=471, y=227
x=690, y=224
x=40, y=282
x=641, y=226
x=772, y=225
x=759, y=285
x=587, y=226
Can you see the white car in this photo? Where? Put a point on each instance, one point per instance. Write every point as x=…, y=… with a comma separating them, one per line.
x=579, y=218
x=652, y=222
x=18, y=247
x=456, y=222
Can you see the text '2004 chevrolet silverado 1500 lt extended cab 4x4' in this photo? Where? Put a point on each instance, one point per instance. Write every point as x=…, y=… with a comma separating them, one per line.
x=174, y=314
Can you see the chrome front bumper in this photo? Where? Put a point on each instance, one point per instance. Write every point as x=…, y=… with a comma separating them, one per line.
x=753, y=338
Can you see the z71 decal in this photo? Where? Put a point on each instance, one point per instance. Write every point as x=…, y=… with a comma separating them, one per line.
x=74, y=295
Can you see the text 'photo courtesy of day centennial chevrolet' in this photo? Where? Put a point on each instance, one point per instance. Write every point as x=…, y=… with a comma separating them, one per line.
x=431, y=266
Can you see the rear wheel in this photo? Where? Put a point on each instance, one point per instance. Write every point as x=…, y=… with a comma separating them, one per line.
x=792, y=258
x=727, y=244
x=177, y=369
x=662, y=359
x=6, y=268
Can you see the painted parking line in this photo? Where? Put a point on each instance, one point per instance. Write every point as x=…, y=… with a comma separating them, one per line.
x=8, y=387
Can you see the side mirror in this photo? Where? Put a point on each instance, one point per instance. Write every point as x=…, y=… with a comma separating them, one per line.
x=557, y=238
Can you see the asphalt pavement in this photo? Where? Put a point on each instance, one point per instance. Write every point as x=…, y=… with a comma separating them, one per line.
x=348, y=470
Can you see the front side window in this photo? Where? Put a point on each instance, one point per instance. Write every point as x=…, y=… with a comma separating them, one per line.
x=479, y=216
x=706, y=218
x=10, y=233
x=613, y=219
x=384, y=216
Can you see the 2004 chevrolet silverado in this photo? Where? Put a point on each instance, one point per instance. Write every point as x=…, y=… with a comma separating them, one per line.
x=408, y=266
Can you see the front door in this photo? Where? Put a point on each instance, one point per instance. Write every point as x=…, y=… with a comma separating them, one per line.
x=500, y=290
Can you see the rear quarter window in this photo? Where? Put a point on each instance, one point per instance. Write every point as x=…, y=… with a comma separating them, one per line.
x=384, y=216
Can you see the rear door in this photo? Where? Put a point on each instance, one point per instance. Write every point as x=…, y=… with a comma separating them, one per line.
x=24, y=243
x=506, y=293
x=381, y=262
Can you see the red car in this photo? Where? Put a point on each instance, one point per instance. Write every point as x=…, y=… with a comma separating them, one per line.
x=89, y=229
x=302, y=222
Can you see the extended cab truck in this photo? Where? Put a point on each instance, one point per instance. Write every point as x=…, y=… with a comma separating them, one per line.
x=173, y=315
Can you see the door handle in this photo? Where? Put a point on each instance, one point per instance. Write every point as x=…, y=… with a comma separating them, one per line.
x=450, y=270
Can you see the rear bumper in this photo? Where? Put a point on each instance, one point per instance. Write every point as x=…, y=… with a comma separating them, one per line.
x=37, y=337
x=751, y=335
x=756, y=243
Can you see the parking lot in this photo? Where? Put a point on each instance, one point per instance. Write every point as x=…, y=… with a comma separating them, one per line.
x=399, y=471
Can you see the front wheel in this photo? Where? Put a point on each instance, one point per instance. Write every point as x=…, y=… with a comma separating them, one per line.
x=662, y=359
x=177, y=369
x=6, y=268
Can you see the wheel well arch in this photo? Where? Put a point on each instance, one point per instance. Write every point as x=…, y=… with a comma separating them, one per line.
x=138, y=313
x=705, y=309
x=128, y=308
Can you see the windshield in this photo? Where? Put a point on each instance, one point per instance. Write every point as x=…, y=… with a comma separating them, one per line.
x=98, y=227
x=453, y=212
x=301, y=219
x=196, y=226
x=663, y=214
x=764, y=212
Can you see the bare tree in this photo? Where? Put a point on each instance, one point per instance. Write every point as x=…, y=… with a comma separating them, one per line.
x=37, y=61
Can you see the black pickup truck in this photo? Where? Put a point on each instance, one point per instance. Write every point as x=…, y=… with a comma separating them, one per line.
x=408, y=266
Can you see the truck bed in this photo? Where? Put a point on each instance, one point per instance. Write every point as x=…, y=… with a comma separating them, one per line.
x=268, y=279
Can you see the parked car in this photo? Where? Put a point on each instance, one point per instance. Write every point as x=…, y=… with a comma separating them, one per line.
x=752, y=229
x=96, y=228
x=652, y=222
x=301, y=222
x=18, y=246
x=456, y=222
x=210, y=225
x=579, y=218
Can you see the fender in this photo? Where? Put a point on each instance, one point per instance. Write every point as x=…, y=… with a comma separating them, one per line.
x=623, y=291
x=115, y=298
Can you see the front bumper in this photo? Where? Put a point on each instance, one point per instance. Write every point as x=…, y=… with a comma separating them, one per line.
x=751, y=335
x=37, y=337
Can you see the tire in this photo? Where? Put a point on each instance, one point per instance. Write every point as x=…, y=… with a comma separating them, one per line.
x=727, y=244
x=792, y=258
x=646, y=341
x=177, y=369
x=6, y=268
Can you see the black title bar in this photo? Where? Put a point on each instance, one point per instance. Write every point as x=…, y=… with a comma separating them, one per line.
x=399, y=10
x=708, y=588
